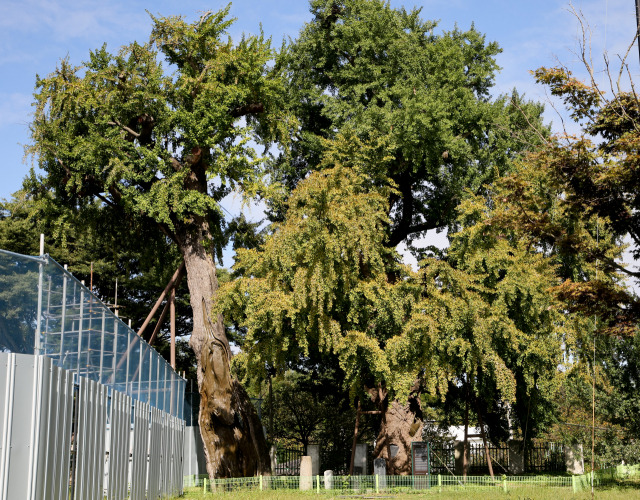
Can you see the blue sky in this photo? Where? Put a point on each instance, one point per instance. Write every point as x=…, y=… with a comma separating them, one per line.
x=35, y=34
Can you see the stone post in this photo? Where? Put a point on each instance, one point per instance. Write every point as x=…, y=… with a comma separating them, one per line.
x=306, y=478
x=328, y=480
x=274, y=460
x=574, y=458
x=313, y=450
x=458, y=451
x=516, y=458
x=380, y=470
x=360, y=461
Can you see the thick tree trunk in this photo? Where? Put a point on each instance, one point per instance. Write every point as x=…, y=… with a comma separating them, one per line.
x=401, y=425
x=232, y=434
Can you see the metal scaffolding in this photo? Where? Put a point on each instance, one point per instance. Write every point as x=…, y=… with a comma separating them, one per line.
x=45, y=310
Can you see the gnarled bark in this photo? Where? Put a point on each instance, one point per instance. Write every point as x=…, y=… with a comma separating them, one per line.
x=401, y=425
x=232, y=435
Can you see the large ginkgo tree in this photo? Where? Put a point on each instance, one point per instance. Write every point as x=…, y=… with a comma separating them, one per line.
x=157, y=134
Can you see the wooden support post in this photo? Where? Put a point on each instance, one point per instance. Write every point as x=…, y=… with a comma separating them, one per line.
x=484, y=439
x=172, y=283
x=156, y=330
x=163, y=314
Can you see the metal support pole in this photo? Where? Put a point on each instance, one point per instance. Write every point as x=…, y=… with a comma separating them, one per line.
x=115, y=350
x=63, y=316
x=140, y=371
x=80, y=329
x=165, y=392
x=104, y=320
x=46, y=321
x=158, y=382
x=36, y=343
x=150, y=375
x=126, y=377
x=172, y=316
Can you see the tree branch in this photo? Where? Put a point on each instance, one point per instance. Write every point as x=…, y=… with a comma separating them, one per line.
x=105, y=199
x=125, y=128
x=248, y=109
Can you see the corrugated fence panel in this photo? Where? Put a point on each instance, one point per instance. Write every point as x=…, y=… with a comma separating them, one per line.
x=33, y=427
x=7, y=369
x=41, y=403
x=119, y=433
x=91, y=425
x=20, y=422
x=177, y=432
x=193, y=454
x=57, y=436
x=155, y=454
x=140, y=450
x=43, y=417
x=165, y=454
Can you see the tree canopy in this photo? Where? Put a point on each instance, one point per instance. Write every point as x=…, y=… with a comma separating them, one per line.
x=385, y=73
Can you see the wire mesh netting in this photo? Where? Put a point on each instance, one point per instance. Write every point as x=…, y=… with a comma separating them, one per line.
x=45, y=310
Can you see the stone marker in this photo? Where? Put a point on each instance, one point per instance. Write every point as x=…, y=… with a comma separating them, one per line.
x=313, y=450
x=360, y=460
x=516, y=457
x=380, y=470
x=306, y=478
x=574, y=459
x=458, y=454
x=328, y=480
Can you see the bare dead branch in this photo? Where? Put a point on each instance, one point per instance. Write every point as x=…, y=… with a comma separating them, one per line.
x=533, y=127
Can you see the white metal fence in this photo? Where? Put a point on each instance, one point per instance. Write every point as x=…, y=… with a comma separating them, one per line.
x=84, y=441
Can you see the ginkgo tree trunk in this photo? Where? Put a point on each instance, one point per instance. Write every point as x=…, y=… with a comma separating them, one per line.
x=160, y=143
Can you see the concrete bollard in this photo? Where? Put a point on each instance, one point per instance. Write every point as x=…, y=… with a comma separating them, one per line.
x=306, y=478
x=328, y=480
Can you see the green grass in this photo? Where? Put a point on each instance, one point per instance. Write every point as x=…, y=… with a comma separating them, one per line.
x=620, y=491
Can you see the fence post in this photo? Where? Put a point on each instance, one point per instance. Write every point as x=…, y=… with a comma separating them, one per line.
x=504, y=483
x=204, y=489
x=377, y=484
x=260, y=482
x=318, y=483
x=439, y=483
x=573, y=484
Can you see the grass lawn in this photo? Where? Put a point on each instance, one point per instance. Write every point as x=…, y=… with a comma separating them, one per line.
x=621, y=491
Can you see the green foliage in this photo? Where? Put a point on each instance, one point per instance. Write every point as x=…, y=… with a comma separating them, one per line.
x=324, y=281
x=145, y=143
x=309, y=407
x=575, y=199
x=384, y=73
x=319, y=281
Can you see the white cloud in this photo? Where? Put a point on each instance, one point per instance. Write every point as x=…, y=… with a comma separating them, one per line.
x=15, y=109
x=64, y=21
